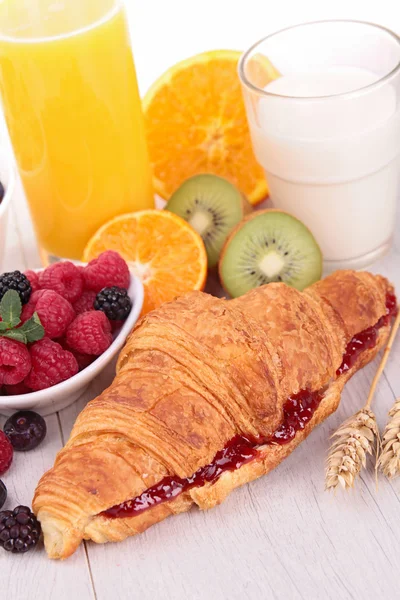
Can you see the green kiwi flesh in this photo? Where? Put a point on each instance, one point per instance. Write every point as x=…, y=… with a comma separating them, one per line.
x=212, y=206
x=271, y=246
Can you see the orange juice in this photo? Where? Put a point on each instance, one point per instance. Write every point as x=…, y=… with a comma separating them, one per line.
x=73, y=112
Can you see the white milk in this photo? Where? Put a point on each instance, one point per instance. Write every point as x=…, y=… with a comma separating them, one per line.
x=333, y=162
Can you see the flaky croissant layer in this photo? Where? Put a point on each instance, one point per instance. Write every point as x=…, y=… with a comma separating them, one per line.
x=193, y=375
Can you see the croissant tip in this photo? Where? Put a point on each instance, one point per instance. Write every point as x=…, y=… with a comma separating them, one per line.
x=59, y=541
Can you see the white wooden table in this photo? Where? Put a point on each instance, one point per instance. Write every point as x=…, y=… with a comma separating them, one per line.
x=279, y=537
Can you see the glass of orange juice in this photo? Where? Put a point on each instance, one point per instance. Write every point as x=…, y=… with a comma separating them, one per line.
x=73, y=112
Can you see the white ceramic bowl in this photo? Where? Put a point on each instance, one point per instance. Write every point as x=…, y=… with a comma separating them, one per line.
x=7, y=178
x=55, y=398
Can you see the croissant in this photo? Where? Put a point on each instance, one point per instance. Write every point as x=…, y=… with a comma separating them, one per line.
x=209, y=394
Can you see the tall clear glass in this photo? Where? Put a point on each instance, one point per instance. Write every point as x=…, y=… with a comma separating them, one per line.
x=327, y=132
x=73, y=112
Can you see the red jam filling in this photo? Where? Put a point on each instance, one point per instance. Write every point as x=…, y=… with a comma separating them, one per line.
x=298, y=411
x=367, y=338
x=238, y=451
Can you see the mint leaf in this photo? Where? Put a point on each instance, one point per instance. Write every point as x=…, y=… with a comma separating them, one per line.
x=32, y=329
x=10, y=308
x=3, y=326
x=16, y=335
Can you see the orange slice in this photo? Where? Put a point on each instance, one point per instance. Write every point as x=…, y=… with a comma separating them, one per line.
x=161, y=248
x=196, y=123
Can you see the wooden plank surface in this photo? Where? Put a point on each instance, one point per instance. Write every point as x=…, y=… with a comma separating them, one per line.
x=281, y=537
x=30, y=575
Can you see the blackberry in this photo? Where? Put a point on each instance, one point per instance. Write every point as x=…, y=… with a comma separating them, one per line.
x=25, y=430
x=19, y=530
x=114, y=302
x=3, y=494
x=16, y=281
x=2, y=191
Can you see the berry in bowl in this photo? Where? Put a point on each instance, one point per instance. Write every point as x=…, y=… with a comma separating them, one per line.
x=59, y=328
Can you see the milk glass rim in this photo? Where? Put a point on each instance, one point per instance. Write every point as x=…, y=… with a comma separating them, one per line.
x=117, y=5
x=262, y=92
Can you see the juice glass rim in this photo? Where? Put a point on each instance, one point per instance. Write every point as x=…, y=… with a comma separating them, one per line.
x=262, y=92
x=116, y=6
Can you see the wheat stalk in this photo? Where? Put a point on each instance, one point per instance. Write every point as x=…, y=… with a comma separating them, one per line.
x=355, y=439
x=389, y=460
x=359, y=435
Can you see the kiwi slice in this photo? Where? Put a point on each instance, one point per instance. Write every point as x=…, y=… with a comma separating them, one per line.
x=269, y=245
x=212, y=206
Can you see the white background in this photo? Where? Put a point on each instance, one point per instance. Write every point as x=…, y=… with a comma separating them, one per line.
x=166, y=31
x=281, y=537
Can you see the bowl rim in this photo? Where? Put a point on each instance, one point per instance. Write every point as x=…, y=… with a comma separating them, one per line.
x=46, y=396
x=10, y=167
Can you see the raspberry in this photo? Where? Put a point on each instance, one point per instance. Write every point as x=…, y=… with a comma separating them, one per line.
x=85, y=302
x=64, y=278
x=6, y=453
x=17, y=389
x=51, y=364
x=116, y=325
x=55, y=312
x=33, y=280
x=83, y=360
x=90, y=333
x=15, y=362
x=105, y=271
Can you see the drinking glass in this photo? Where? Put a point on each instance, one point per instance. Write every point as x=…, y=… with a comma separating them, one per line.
x=327, y=132
x=73, y=112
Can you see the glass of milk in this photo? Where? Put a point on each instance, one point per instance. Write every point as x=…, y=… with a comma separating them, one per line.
x=327, y=132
